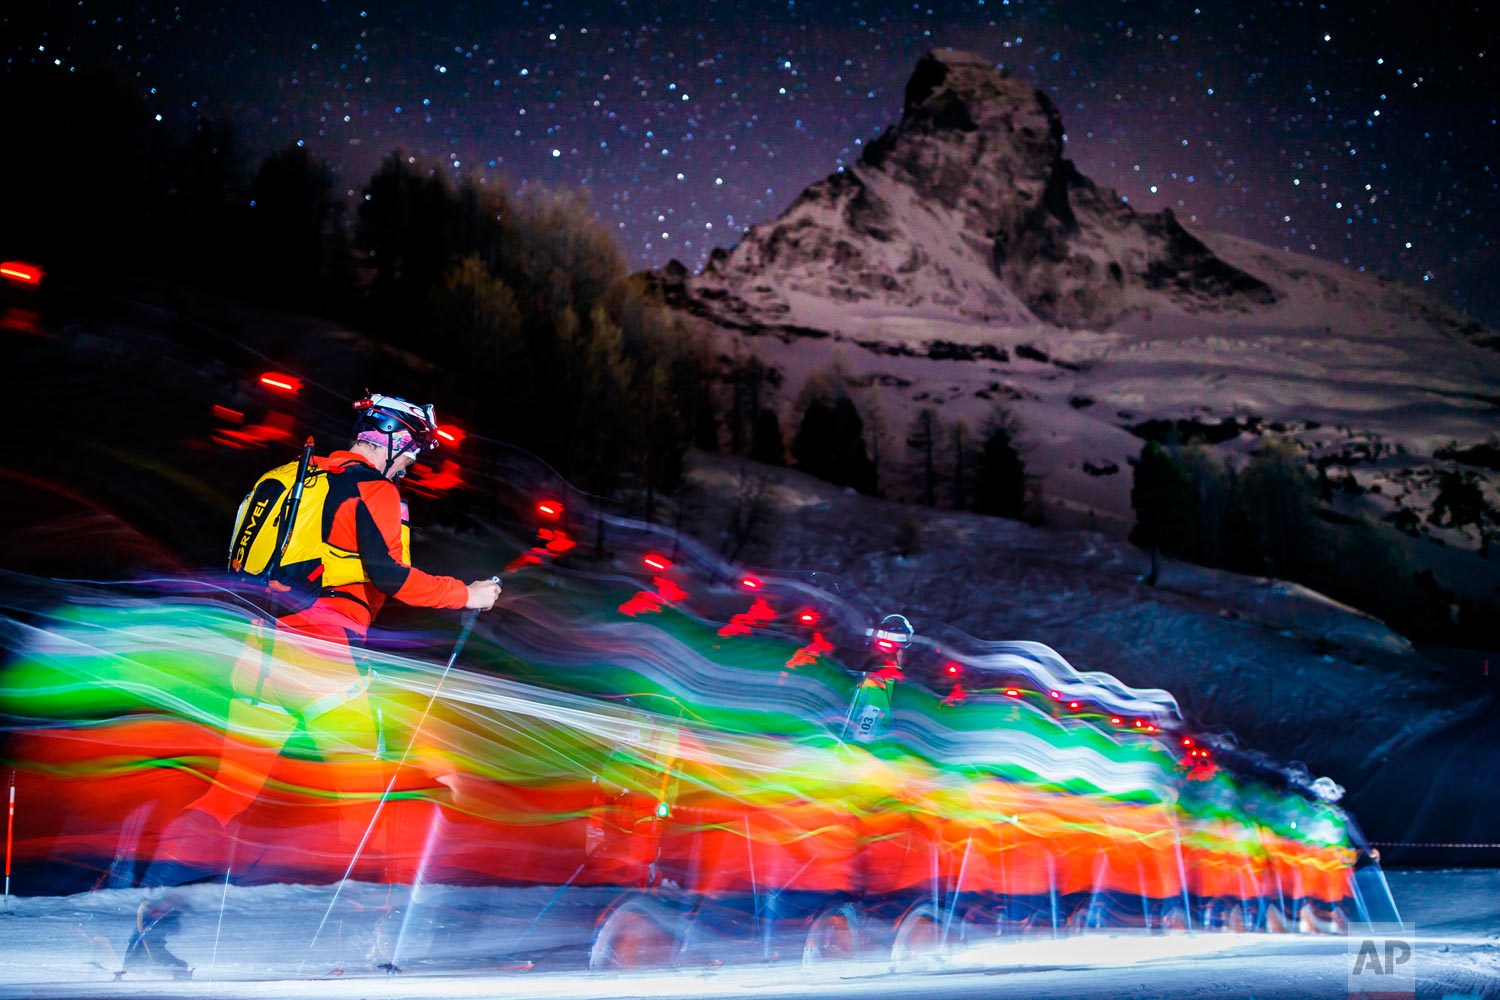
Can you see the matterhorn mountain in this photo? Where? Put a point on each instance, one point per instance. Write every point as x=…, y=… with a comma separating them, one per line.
x=964, y=263
x=966, y=208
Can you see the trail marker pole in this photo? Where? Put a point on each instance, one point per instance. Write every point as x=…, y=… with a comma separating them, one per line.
x=10, y=829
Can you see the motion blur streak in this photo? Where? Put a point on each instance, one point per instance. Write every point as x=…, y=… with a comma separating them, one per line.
x=668, y=753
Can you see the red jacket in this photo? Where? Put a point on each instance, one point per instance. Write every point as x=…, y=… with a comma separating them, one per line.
x=364, y=514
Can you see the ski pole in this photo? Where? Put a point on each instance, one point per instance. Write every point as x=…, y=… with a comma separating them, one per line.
x=463, y=637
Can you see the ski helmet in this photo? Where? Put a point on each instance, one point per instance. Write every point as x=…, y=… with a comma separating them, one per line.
x=406, y=426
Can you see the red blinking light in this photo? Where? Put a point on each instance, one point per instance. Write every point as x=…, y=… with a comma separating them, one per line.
x=1139, y=723
x=282, y=382
x=1054, y=696
x=1115, y=719
x=750, y=583
x=451, y=434
x=1072, y=704
x=1150, y=729
x=20, y=271
x=658, y=562
x=550, y=508
x=885, y=644
x=1187, y=741
x=808, y=617
x=953, y=668
x=1012, y=692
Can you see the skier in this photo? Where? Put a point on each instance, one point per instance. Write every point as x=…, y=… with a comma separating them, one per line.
x=344, y=551
x=890, y=639
x=155, y=920
x=871, y=707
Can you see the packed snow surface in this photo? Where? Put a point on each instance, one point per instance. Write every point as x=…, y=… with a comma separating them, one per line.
x=257, y=941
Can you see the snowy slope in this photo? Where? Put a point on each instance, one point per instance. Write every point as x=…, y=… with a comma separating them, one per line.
x=452, y=941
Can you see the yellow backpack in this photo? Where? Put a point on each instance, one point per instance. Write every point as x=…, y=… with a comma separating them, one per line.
x=298, y=578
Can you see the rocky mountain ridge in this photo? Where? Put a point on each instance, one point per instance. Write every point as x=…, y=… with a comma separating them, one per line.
x=967, y=206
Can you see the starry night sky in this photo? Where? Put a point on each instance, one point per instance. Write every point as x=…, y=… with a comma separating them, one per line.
x=1364, y=133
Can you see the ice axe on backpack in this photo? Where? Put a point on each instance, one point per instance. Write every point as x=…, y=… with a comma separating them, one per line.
x=288, y=516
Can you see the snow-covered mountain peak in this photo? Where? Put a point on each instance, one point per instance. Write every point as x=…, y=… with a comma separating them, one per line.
x=965, y=209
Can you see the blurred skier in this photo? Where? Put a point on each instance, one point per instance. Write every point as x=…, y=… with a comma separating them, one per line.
x=890, y=639
x=155, y=921
x=346, y=549
x=871, y=707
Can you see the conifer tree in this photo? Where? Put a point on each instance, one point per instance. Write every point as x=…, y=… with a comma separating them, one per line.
x=830, y=442
x=1000, y=481
x=766, y=444
x=962, y=474
x=922, y=442
x=1160, y=497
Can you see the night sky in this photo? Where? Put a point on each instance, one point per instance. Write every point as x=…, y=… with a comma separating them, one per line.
x=1361, y=133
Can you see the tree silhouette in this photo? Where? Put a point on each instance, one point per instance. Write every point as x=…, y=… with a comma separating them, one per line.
x=830, y=441
x=1277, y=508
x=404, y=228
x=1000, y=481
x=766, y=444
x=87, y=173
x=922, y=442
x=748, y=379
x=961, y=448
x=1459, y=502
x=556, y=344
x=203, y=203
x=1160, y=495
x=294, y=230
